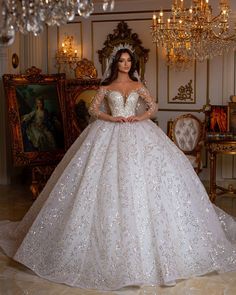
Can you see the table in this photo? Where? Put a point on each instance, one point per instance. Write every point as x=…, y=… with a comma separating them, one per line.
x=214, y=147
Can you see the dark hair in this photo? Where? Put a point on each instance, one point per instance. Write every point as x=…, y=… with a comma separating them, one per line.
x=114, y=67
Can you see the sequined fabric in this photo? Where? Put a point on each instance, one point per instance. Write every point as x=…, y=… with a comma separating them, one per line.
x=124, y=207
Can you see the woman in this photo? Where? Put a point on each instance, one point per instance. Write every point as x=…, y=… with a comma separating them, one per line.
x=124, y=206
x=38, y=128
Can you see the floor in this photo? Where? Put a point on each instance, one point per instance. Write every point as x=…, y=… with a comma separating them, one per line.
x=16, y=279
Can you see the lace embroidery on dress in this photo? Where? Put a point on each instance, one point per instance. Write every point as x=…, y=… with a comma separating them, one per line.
x=148, y=99
x=146, y=104
x=94, y=109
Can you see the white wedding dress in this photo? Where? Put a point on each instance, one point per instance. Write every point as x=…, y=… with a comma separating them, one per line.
x=124, y=207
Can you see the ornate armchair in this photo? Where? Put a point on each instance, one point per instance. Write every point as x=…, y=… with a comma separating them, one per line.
x=187, y=132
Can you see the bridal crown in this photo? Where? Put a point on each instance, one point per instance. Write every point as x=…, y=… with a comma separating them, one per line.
x=119, y=47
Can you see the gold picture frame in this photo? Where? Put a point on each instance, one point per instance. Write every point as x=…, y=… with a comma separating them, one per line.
x=37, y=117
x=232, y=117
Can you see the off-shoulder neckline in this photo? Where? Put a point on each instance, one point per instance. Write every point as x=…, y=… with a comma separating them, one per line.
x=123, y=94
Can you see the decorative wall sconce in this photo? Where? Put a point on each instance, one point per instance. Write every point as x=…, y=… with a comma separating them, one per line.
x=67, y=56
x=15, y=60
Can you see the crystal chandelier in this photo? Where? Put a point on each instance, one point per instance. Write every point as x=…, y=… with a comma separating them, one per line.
x=193, y=33
x=178, y=62
x=31, y=15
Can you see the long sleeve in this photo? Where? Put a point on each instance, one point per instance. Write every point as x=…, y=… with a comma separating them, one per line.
x=28, y=117
x=148, y=99
x=94, y=109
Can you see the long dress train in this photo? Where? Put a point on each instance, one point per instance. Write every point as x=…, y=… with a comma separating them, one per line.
x=124, y=207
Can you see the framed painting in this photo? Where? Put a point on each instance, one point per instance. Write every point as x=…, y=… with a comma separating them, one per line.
x=82, y=104
x=232, y=117
x=80, y=93
x=37, y=117
x=217, y=119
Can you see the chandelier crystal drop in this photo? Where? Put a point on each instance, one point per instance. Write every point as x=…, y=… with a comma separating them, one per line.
x=31, y=15
x=193, y=33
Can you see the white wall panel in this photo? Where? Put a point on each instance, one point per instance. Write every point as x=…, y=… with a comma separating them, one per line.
x=52, y=37
x=181, y=79
x=216, y=80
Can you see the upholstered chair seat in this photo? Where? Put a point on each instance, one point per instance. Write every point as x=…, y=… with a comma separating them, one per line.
x=187, y=131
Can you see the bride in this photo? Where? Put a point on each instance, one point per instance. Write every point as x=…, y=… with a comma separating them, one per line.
x=124, y=206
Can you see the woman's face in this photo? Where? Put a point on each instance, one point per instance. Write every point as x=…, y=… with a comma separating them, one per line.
x=124, y=63
x=39, y=104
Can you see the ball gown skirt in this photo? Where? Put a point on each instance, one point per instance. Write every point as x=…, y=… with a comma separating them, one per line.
x=124, y=207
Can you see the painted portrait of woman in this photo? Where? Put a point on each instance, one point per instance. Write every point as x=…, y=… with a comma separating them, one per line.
x=40, y=118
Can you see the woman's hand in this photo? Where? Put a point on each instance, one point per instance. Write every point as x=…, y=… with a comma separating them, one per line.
x=119, y=119
x=133, y=119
